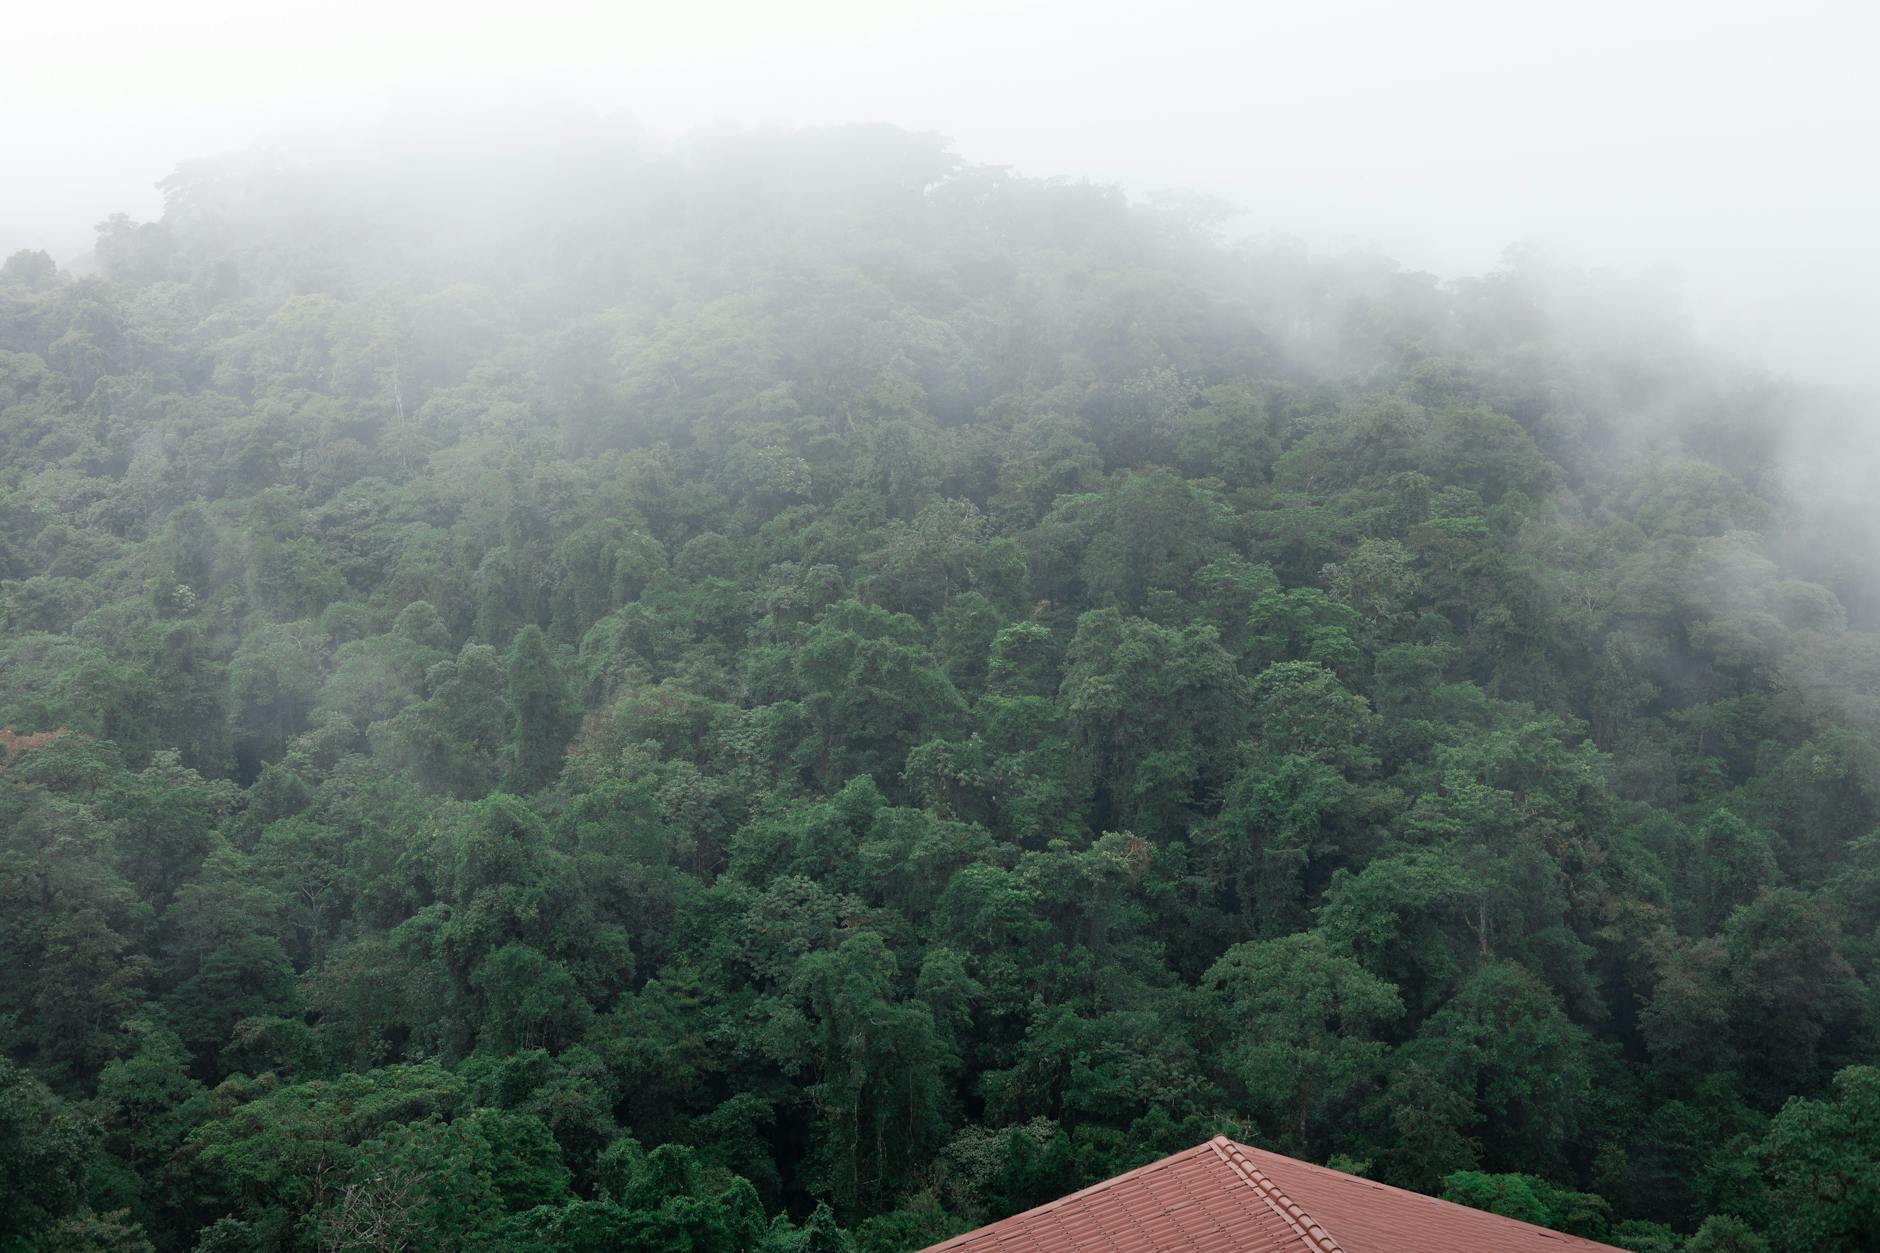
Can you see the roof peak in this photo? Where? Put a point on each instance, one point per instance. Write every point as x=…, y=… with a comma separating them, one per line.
x=1315, y=1236
x=1224, y=1195
x=1286, y=1215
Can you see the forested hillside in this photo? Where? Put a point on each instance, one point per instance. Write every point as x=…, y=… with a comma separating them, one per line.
x=803, y=695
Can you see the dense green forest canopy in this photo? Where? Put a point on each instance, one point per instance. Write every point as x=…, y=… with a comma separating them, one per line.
x=802, y=695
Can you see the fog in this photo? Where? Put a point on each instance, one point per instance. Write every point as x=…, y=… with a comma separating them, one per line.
x=1730, y=151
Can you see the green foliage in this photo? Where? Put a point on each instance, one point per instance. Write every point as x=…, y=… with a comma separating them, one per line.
x=1531, y=1200
x=43, y=1146
x=1297, y=1031
x=543, y=713
x=1822, y=1160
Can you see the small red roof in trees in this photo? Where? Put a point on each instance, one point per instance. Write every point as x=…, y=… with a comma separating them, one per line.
x=12, y=743
x=1223, y=1197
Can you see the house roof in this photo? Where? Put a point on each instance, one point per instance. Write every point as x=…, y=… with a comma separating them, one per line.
x=1223, y=1197
x=1199, y=1199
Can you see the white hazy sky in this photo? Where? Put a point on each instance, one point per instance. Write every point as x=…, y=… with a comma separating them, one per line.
x=1737, y=143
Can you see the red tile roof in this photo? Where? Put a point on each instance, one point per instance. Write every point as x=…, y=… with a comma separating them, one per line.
x=1196, y=1200
x=1223, y=1197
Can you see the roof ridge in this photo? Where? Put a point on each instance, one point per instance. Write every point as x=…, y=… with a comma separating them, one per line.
x=1099, y=1186
x=1308, y=1228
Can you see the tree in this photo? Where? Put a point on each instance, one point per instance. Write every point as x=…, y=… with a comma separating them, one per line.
x=879, y=1064
x=1504, y=1043
x=529, y=1000
x=1724, y=1234
x=289, y=1150
x=1296, y=1029
x=1822, y=1160
x=543, y=715
x=274, y=680
x=153, y=1100
x=1531, y=1200
x=1130, y=684
x=871, y=693
x=44, y=1147
x=451, y=740
x=1793, y=998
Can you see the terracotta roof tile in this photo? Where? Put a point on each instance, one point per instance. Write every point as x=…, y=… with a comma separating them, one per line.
x=1223, y=1197
x=1371, y=1217
x=1196, y=1201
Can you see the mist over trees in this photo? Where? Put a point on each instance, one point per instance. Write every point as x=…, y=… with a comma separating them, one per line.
x=800, y=694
